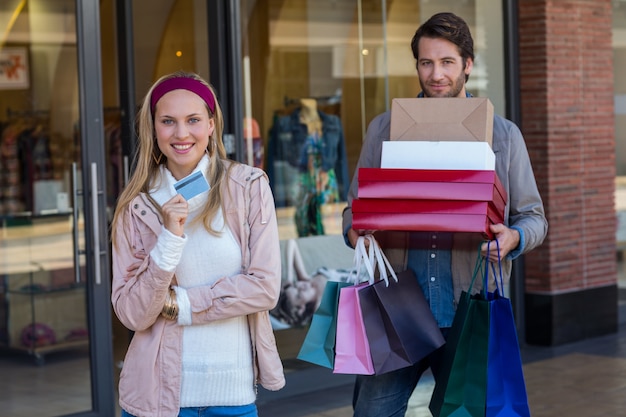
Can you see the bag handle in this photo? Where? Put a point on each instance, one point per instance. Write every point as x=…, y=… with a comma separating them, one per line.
x=363, y=258
x=371, y=258
x=383, y=263
x=499, y=279
x=477, y=269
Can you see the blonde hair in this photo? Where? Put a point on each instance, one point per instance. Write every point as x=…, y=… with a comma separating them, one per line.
x=149, y=157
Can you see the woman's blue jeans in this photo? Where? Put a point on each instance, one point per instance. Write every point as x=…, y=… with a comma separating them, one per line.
x=249, y=410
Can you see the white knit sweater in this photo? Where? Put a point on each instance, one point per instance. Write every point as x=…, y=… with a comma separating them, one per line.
x=217, y=358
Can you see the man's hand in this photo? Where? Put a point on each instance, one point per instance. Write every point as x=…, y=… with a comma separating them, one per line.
x=353, y=235
x=508, y=240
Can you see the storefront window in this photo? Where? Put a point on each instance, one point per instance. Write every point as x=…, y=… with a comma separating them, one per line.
x=43, y=297
x=315, y=74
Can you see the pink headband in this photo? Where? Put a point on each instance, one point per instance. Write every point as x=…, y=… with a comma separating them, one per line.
x=182, y=83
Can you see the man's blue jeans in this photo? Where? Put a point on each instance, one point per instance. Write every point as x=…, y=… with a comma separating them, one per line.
x=387, y=395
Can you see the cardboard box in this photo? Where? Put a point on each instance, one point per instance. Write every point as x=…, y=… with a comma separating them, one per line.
x=418, y=184
x=442, y=119
x=437, y=155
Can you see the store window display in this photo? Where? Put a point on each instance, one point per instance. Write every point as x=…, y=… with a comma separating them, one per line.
x=25, y=159
x=254, y=153
x=307, y=163
x=316, y=74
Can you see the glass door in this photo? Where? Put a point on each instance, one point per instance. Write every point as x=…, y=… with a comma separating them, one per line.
x=55, y=337
x=141, y=41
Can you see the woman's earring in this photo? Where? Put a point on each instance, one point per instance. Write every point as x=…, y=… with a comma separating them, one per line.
x=157, y=160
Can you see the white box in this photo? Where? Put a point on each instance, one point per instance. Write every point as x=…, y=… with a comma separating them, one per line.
x=437, y=155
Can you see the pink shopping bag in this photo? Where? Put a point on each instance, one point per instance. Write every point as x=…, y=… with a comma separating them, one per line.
x=352, y=351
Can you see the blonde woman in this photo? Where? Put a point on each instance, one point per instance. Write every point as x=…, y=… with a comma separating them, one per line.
x=196, y=264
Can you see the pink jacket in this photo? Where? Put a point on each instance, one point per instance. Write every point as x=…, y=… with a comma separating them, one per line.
x=151, y=377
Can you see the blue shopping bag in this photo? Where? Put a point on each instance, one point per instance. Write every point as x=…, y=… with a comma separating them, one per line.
x=506, y=388
x=319, y=343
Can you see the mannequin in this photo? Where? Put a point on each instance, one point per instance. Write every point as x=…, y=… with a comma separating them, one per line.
x=309, y=115
x=306, y=141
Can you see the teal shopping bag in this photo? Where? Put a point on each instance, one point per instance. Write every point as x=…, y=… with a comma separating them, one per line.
x=461, y=382
x=319, y=343
x=466, y=389
x=452, y=342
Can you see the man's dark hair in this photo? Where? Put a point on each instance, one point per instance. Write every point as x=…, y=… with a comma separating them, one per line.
x=446, y=26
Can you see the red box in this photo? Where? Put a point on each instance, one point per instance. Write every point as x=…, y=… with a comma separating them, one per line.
x=430, y=222
x=379, y=205
x=425, y=215
x=422, y=184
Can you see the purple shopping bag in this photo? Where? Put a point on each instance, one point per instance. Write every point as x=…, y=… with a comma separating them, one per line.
x=400, y=327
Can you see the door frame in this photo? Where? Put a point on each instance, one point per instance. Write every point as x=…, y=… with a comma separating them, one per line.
x=225, y=70
x=97, y=249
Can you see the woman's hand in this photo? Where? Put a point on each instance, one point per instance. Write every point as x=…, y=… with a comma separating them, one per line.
x=175, y=213
x=131, y=270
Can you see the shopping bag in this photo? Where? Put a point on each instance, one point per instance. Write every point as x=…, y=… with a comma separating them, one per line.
x=466, y=391
x=481, y=373
x=318, y=346
x=400, y=327
x=352, y=351
x=319, y=343
x=451, y=346
x=461, y=385
x=506, y=389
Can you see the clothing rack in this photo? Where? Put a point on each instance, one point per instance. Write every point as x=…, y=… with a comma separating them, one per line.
x=324, y=100
x=111, y=109
x=11, y=114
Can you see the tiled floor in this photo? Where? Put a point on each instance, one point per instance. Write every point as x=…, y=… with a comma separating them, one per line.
x=584, y=379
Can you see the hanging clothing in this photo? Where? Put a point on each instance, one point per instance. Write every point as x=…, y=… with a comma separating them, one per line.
x=36, y=161
x=287, y=139
x=316, y=186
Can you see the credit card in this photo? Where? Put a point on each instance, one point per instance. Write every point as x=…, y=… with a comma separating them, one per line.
x=192, y=185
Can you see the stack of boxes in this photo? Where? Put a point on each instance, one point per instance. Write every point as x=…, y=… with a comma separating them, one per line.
x=437, y=171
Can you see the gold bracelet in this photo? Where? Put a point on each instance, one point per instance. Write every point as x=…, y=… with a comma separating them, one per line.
x=170, y=308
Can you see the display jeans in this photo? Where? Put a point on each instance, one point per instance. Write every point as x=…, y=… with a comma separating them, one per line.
x=249, y=410
x=387, y=395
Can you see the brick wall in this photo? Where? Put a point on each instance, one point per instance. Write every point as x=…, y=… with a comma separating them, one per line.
x=566, y=81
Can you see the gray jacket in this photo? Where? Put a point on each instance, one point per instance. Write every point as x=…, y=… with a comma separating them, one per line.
x=524, y=208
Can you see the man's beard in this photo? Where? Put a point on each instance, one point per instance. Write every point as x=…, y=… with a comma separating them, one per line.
x=454, y=90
